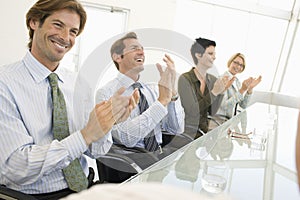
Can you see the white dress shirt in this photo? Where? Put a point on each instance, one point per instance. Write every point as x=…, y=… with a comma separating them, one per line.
x=157, y=117
x=31, y=161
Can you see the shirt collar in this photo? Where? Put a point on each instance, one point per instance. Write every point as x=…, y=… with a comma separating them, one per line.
x=125, y=80
x=37, y=70
x=194, y=77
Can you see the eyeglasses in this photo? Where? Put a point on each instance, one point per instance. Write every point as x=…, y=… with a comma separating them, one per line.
x=239, y=64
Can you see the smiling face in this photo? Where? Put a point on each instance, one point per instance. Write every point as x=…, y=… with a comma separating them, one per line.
x=236, y=66
x=55, y=37
x=132, y=59
x=206, y=60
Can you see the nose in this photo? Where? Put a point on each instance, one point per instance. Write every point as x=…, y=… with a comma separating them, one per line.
x=64, y=34
x=140, y=50
x=214, y=56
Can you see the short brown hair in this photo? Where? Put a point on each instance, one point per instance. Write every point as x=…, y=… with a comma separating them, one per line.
x=44, y=8
x=118, y=46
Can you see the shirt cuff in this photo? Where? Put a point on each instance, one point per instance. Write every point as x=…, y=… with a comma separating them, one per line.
x=160, y=111
x=75, y=144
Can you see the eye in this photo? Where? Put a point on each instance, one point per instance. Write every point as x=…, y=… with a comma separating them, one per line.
x=58, y=25
x=74, y=32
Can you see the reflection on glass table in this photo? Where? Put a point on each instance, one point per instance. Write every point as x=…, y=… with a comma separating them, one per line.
x=258, y=164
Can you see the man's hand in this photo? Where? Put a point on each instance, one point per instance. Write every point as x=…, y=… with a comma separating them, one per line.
x=107, y=113
x=167, y=81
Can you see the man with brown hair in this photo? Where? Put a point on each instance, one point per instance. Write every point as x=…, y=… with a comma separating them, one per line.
x=47, y=126
x=158, y=110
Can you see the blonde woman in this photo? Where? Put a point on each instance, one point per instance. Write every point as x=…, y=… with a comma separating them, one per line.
x=238, y=93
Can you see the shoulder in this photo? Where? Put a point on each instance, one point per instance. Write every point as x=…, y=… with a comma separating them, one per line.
x=106, y=91
x=11, y=71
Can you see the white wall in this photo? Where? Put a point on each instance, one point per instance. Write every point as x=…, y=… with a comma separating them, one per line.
x=145, y=13
x=14, y=34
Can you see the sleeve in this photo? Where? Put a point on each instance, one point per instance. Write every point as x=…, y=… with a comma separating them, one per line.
x=245, y=101
x=240, y=99
x=231, y=97
x=187, y=96
x=173, y=123
x=189, y=99
x=215, y=101
x=22, y=161
x=103, y=145
x=137, y=126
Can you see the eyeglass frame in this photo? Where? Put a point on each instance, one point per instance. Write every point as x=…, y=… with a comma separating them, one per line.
x=239, y=64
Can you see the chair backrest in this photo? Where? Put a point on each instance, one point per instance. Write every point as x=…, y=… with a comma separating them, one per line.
x=116, y=168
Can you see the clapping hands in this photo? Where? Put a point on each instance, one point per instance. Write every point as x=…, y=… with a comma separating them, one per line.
x=167, y=80
x=222, y=84
x=255, y=82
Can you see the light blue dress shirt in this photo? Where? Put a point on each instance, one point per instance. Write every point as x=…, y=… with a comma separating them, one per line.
x=31, y=161
x=157, y=117
x=232, y=96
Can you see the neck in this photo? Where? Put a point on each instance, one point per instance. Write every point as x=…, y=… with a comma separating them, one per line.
x=48, y=64
x=200, y=73
x=131, y=74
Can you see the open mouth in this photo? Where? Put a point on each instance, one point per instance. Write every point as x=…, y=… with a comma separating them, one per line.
x=139, y=60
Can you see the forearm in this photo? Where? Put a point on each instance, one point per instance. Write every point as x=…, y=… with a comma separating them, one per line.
x=30, y=162
x=245, y=101
x=101, y=146
x=138, y=126
x=174, y=121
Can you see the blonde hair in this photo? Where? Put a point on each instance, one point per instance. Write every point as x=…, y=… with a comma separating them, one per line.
x=234, y=57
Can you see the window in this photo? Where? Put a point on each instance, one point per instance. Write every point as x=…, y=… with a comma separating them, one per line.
x=102, y=23
x=259, y=37
x=291, y=81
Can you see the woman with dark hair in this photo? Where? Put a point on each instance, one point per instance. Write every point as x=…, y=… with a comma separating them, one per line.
x=200, y=92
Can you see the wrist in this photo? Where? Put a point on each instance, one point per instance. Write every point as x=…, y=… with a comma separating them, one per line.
x=164, y=102
x=175, y=97
x=85, y=136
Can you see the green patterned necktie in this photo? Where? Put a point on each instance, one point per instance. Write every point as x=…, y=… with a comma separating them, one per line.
x=74, y=174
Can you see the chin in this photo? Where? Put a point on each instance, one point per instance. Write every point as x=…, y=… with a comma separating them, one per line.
x=139, y=68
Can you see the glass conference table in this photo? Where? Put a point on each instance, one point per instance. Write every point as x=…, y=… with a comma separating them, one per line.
x=251, y=156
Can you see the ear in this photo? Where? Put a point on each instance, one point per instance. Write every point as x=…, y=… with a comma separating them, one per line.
x=116, y=57
x=34, y=24
x=198, y=55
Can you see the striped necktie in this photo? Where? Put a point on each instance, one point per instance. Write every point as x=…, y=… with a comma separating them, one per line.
x=73, y=173
x=150, y=140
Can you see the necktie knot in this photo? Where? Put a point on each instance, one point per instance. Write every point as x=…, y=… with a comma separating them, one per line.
x=136, y=85
x=53, y=80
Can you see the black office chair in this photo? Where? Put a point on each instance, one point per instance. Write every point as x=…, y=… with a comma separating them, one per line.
x=122, y=162
x=175, y=141
x=116, y=168
x=10, y=194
